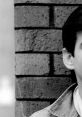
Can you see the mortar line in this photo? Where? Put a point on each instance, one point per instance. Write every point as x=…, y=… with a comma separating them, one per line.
x=35, y=99
x=38, y=52
x=47, y=4
x=48, y=76
x=51, y=16
x=40, y=28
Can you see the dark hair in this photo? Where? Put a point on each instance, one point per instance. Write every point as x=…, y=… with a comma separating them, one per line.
x=70, y=29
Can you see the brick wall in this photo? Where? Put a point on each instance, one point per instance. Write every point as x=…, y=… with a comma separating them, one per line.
x=41, y=76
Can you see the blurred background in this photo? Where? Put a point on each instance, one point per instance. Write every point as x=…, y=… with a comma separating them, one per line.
x=7, y=94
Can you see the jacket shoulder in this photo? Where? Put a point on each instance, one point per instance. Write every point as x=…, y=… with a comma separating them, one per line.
x=42, y=113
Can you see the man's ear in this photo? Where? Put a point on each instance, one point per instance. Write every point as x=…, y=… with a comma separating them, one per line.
x=68, y=59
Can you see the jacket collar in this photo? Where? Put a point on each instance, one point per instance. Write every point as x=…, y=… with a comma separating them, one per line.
x=64, y=106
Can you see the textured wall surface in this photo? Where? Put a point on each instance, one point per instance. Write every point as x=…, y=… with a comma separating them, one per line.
x=41, y=76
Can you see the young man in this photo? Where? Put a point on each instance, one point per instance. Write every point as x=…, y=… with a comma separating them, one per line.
x=69, y=104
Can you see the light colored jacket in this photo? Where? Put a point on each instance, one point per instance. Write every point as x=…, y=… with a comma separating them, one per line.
x=62, y=107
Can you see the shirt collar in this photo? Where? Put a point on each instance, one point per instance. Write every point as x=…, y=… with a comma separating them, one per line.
x=77, y=101
x=63, y=106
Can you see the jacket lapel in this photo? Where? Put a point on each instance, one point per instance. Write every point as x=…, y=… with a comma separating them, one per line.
x=64, y=106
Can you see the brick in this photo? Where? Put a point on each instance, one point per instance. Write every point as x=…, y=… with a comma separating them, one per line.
x=38, y=40
x=50, y=1
x=19, y=110
x=61, y=14
x=29, y=107
x=42, y=87
x=23, y=40
x=32, y=64
x=33, y=16
x=59, y=67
